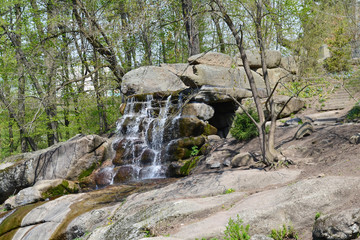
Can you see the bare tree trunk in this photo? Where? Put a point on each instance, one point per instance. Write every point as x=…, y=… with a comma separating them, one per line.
x=219, y=33
x=103, y=126
x=126, y=39
x=271, y=153
x=12, y=112
x=256, y=97
x=191, y=28
x=21, y=82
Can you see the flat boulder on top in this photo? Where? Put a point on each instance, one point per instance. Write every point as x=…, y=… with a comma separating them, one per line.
x=150, y=79
x=272, y=58
x=220, y=76
x=212, y=58
x=277, y=74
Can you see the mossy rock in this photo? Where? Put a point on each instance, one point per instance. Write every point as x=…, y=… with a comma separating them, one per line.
x=209, y=130
x=190, y=126
x=87, y=172
x=62, y=189
x=189, y=165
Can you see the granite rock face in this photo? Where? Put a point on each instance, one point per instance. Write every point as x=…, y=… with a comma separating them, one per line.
x=62, y=161
x=150, y=79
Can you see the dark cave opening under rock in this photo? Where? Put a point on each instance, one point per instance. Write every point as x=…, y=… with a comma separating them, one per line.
x=223, y=117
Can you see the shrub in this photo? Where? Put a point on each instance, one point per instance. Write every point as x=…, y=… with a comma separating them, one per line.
x=340, y=50
x=354, y=113
x=284, y=233
x=236, y=231
x=243, y=128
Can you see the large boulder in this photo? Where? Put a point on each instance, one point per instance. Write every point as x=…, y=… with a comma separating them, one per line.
x=62, y=161
x=211, y=94
x=293, y=106
x=232, y=77
x=289, y=64
x=179, y=69
x=277, y=74
x=340, y=226
x=212, y=58
x=199, y=110
x=150, y=79
x=272, y=58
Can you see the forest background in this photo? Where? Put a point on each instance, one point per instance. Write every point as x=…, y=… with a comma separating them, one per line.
x=62, y=61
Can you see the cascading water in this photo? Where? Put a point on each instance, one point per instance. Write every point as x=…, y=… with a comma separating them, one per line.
x=141, y=136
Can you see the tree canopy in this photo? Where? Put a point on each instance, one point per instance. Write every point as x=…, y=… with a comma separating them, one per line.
x=62, y=61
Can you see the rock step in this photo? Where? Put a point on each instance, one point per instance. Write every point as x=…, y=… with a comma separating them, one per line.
x=339, y=99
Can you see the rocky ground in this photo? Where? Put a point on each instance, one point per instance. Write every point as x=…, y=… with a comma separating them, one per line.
x=324, y=178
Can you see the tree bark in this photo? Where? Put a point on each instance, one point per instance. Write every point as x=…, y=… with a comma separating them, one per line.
x=21, y=82
x=191, y=28
x=219, y=33
x=256, y=97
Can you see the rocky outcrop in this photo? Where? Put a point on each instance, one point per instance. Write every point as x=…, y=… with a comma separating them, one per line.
x=150, y=79
x=40, y=191
x=62, y=161
x=341, y=226
x=272, y=57
x=220, y=76
x=213, y=59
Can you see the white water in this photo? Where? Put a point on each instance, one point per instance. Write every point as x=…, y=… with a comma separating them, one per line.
x=141, y=133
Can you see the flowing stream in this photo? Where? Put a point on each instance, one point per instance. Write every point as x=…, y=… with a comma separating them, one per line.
x=141, y=133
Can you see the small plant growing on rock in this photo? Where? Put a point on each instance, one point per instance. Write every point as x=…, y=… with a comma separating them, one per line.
x=286, y=232
x=194, y=151
x=230, y=190
x=317, y=215
x=235, y=230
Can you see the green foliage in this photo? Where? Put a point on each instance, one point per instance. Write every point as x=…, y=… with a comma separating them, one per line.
x=317, y=215
x=354, y=113
x=284, y=233
x=229, y=190
x=243, y=128
x=194, y=151
x=340, y=50
x=236, y=231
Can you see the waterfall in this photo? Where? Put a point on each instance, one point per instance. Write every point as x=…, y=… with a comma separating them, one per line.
x=141, y=136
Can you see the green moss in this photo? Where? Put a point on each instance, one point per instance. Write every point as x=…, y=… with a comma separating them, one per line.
x=209, y=130
x=9, y=226
x=189, y=165
x=87, y=172
x=204, y=148
x=59, y=190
